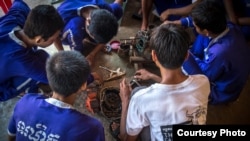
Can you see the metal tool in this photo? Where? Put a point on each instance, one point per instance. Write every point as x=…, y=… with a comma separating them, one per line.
x=114, y=74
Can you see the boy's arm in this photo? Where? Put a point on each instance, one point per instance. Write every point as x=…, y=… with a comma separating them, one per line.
x=125, y=94
x=143, y=74
x=182, y=11
x=230, y=11
x=92, y=54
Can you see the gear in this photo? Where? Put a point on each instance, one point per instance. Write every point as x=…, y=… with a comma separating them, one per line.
x=110, y=102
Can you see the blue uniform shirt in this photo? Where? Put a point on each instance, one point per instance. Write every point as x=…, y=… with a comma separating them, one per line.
x=74, y=31
x=224, y=60
x=50, y=119
x=21, y=67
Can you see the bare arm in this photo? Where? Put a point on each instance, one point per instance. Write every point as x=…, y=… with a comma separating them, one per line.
x=244, y=20
x=143, y=74
x=230, y=11
x=177, y=22
x=183, y=11
x=119, y=2
x=93, y=53
x=232, y=16
x=125, y=92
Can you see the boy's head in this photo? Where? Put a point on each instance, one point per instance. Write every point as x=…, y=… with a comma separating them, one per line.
x=67, y=72
x=45, y=22
x=102, y=25
x=209, y=15
x=170, y=44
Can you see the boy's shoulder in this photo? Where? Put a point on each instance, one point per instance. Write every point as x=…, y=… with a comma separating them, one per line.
x=200, y=77
x=31, y=97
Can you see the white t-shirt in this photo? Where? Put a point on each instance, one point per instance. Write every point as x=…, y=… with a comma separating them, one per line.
x=161, y=105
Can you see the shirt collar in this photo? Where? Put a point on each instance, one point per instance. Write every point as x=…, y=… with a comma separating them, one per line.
x=14, y=37
x=218, y=37
x=59, y=103
x=89, y=5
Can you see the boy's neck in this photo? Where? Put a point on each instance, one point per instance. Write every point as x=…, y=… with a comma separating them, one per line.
x=23, y=37
x=69, y=99
x=175, y=76
x=85, y=12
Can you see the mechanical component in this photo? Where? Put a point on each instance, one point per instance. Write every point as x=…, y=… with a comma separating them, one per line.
x=134, y=83
x=141, y=42
x=110, y=102
x=114, y=74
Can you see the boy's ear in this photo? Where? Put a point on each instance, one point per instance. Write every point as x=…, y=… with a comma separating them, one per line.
x=153, y=54
x=207, y=33
x=38, y=39
x=84, y=86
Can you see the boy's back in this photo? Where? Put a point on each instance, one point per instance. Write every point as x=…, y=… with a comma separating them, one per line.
x=179, y=104
x=52, y=119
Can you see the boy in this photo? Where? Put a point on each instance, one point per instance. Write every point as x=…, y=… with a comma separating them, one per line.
x=89, y=25
x=67, y=72
x=182, y=97
x=21, y=32
x=220, y=52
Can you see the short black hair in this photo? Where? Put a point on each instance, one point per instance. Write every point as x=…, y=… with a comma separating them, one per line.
x=171, y=44
x=44, y=21
x=103, y=25
x=67, y=71
x=210, y=15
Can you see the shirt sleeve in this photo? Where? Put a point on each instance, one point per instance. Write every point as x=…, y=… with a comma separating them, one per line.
x=7, y=91
x=31, y=64
x=114, y=8
x=202, y=59
x=12, y=126
x=16, y=16
x=135, y=119
x=187, y=22
x=74, y=33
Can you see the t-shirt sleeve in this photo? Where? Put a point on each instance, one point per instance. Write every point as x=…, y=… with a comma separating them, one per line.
x=12, y=127
x=135, y=120
x=16, y=16
x=74, y=33
x=114, y=8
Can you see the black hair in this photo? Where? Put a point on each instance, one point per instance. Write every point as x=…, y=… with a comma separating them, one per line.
x=103, y=25
x=44, y=21
x=171, y=44
x=67, y=71
x=210, y=15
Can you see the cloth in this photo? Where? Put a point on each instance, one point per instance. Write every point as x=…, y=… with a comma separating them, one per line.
x=21, y=67
x=50, y=119
x=181, y=103
x=74, y=31
x=224, y=60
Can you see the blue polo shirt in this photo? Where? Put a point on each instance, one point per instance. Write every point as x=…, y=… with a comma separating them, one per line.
x=37, y=118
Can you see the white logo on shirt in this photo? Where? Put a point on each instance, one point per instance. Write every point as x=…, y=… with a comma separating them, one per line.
x=36, y=134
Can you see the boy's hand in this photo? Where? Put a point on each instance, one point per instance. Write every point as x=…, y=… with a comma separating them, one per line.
x=125, y=91
x=142, y=74
x=97, y=77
